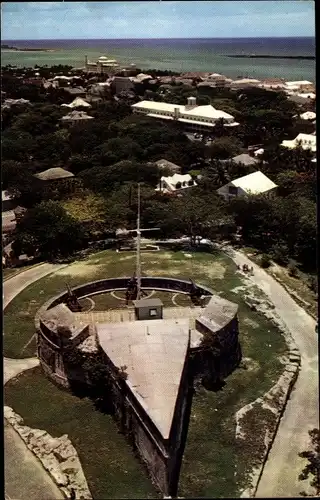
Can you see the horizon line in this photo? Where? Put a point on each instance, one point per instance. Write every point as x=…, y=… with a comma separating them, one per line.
x=158, y=38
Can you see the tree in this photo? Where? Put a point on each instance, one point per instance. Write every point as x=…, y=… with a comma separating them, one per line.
x=313, y=457
x=199, y=215
x=49, y=230
x=224, y=148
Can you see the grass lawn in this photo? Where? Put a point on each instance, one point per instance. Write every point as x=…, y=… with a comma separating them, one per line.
x=109, y=465
x=211, y=456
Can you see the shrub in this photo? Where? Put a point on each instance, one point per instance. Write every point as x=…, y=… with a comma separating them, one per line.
x=313, y=284
x=265, y=260
x=292, y=270
x=280, y=254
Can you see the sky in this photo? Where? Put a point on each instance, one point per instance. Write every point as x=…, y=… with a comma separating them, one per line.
x=157, y=19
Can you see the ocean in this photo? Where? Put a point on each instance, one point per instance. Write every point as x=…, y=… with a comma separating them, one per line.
x=201, y=54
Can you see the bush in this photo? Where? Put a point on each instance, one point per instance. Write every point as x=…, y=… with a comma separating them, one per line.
x=313, y=284
x=292, y=270
x=280, y=254
x=265, y=260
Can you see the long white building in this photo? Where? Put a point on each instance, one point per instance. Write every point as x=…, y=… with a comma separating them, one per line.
x=194, y=117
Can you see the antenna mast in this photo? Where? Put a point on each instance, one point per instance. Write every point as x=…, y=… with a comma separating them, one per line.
x=138, y=270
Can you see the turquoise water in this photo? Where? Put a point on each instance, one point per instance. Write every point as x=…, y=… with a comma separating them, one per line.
x=177, y=55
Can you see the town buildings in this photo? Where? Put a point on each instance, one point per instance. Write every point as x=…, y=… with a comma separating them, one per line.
x=192, y=116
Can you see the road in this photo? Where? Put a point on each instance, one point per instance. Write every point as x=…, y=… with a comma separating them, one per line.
x=24, y=475
x=16, y=284
x=280, y=475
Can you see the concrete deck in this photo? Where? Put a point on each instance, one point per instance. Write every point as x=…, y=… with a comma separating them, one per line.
x=154, y=353
x=127, y=314
x=123, y=315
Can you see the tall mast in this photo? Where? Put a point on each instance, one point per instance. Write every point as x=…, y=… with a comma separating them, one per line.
x=138, y=270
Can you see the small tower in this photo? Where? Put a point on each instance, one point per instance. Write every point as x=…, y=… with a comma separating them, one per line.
x=191, y=103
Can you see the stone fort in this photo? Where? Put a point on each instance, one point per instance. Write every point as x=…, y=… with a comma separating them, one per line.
x=159, y=353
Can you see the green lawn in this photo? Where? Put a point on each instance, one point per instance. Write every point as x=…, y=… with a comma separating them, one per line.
x=211, y=454
x=109, y=465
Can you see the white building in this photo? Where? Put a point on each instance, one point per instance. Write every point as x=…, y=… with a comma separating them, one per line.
x=306, y=141
x=244, y=83
x=106, y=66
x=308, y=95
x=308, y=115
x=194, y=117
x=301, y=84
x=140, y=78
x=176, y=182
x=255, y=183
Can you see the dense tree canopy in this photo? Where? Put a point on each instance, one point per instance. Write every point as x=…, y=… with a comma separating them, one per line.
x=118, y=148
x=49, y=230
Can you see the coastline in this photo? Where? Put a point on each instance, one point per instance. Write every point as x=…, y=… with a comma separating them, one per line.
x=266, y=56
x=14, y=49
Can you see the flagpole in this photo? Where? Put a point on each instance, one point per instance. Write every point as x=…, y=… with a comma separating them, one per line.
x=138, y=270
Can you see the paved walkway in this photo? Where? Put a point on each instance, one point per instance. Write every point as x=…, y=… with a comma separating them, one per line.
x=13, y=286
x=24, y=475
x=280, y=475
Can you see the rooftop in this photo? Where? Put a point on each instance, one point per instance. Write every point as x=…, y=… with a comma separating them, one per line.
x=154, y=354
x=308, y=115
x=299, y=83
x=148, y=302
x=206, y=111
x=254, y=183
x=6, y=196
x=76, y=115
x=245, y=159
x=54, y=173
x=77, y=103
x=163, y=163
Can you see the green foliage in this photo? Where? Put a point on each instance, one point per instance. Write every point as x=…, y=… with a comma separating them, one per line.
x=280, y=253
x=292, y=270
x=265, y=260
x=224, y=148
x=313, y=456
x=48, y=230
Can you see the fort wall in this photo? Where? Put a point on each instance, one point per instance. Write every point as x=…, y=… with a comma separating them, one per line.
x=215, y=357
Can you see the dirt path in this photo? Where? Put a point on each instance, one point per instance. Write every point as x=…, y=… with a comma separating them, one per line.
x=24, y=475
x=280, y=475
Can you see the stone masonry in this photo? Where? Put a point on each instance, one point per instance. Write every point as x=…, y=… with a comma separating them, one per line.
x=57, y=455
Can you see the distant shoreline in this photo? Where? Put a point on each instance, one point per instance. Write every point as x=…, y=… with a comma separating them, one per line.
x=26, y=49
x=265, y=56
